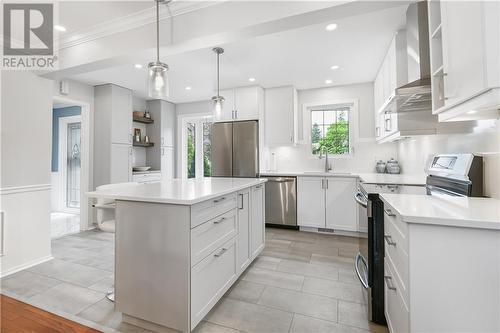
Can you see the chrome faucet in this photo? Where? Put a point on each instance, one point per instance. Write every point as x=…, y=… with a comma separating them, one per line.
x=328, y=166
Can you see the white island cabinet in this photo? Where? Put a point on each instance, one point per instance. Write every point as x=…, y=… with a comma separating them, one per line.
x=442, y=263
x=181, y=244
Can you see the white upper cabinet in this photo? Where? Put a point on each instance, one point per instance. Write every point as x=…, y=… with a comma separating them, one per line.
x=243, y=103
x=341, y=212
x=393, y=72
x=167, y=124
x=120, y=101
x=311, y=202
x=465, y=57
x=280, y=114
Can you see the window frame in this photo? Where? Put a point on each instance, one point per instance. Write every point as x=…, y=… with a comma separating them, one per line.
x=333, y=104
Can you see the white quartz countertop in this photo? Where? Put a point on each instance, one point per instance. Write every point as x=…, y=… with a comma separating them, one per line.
x=372, y=178
x=483, y=213
x=178, y=191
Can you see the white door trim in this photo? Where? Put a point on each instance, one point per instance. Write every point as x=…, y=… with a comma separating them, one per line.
x=86, y=147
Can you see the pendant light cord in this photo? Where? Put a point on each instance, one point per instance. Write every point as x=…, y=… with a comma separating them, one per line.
x=218, y=71
x=157, y=31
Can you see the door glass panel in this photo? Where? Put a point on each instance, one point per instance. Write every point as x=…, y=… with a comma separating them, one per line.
x=191, y=150
x=207, y=149
x=73, y=166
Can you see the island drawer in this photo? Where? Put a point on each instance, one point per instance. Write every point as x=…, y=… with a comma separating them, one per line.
x=211, y=278
x=208, y=236
x=396, y=309
x=207, y=210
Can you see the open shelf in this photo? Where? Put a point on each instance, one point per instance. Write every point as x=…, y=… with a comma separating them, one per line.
x=143, y=120
x=143, y=144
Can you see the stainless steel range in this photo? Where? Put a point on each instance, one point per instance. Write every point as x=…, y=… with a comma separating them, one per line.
x=447, y=174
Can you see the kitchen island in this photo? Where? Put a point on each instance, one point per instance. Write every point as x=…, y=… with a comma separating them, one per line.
x=181, y=244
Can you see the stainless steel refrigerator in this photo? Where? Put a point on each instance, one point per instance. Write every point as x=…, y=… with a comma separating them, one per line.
x=235, y=149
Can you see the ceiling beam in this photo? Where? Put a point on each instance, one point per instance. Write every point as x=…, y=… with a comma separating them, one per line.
x=101, y=54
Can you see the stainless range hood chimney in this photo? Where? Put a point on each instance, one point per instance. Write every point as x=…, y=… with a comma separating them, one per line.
x=416, y=95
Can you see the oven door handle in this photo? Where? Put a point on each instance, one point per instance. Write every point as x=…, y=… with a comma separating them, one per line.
x=359, y=258
x=360, y=199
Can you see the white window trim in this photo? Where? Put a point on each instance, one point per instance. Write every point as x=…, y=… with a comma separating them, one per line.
x=198, y=119
x=353, y=124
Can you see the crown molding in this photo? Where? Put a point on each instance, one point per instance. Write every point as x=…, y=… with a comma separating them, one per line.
x=130, y=22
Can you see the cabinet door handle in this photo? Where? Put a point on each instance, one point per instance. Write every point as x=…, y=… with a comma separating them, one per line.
x=221, y=252
x=232, y=114
x=377, y=131
x=388, y=239
x=162, y=151
x=235, y=114
x=389, y=212
x=219, y=200
x=388, y=280
x=388, y=124
x=327, y=183
x=219, y=221
x=240, y=204
x=130, y=151
x=162, y=141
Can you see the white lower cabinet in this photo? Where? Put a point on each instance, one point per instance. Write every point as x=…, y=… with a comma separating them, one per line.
x=244, y=255
x=223, y=246
x=211, y=278
x=327, y=202
x=433, y=283
x=311, y=202
x=257, y=226
x=121, y=163
x=341, y=212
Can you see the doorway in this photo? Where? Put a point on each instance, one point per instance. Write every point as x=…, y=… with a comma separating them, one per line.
x=69, y=176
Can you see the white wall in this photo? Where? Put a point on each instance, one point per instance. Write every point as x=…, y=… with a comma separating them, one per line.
x=26, y=140
x=366, y=151
x=485, y=140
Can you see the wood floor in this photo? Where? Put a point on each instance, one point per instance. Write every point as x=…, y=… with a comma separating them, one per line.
x=19, y=317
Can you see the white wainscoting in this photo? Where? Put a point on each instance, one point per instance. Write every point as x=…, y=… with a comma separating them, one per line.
x=25, y=240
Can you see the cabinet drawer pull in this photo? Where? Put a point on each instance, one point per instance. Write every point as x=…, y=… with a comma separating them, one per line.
x=388, y=280
x=219, y=221
x=240, y=204
x=389, y=212
x=221, y=252
x=389, y=240
x=220, y=200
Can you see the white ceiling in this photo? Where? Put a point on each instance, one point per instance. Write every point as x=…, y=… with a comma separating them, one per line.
x=301, y=57
x=79, y=16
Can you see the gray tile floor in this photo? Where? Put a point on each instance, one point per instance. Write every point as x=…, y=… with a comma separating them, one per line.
x=301, y=283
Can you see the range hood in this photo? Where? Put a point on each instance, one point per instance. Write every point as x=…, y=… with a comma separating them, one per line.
x=415, y=95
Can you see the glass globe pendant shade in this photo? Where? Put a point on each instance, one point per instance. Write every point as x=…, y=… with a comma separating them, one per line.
x=158, y=80
x=218, y=103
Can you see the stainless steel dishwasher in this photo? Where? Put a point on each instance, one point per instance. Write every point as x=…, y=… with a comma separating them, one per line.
x=281, y=201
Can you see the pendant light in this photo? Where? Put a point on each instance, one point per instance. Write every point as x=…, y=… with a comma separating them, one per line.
x=218, y=100
x=158, y=86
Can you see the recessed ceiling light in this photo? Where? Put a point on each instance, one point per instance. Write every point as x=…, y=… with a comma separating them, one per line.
x=471, y=112
x=334, y=67
x=331, y=27
x=252, y=79
x=328, y=81
x=138, y=66
x=188, y=88
x=60, y=28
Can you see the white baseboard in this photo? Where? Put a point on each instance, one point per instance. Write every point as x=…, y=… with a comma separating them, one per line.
x=25, y=266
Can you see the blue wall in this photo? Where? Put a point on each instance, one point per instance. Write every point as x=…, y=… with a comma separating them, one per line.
x=56, y=114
